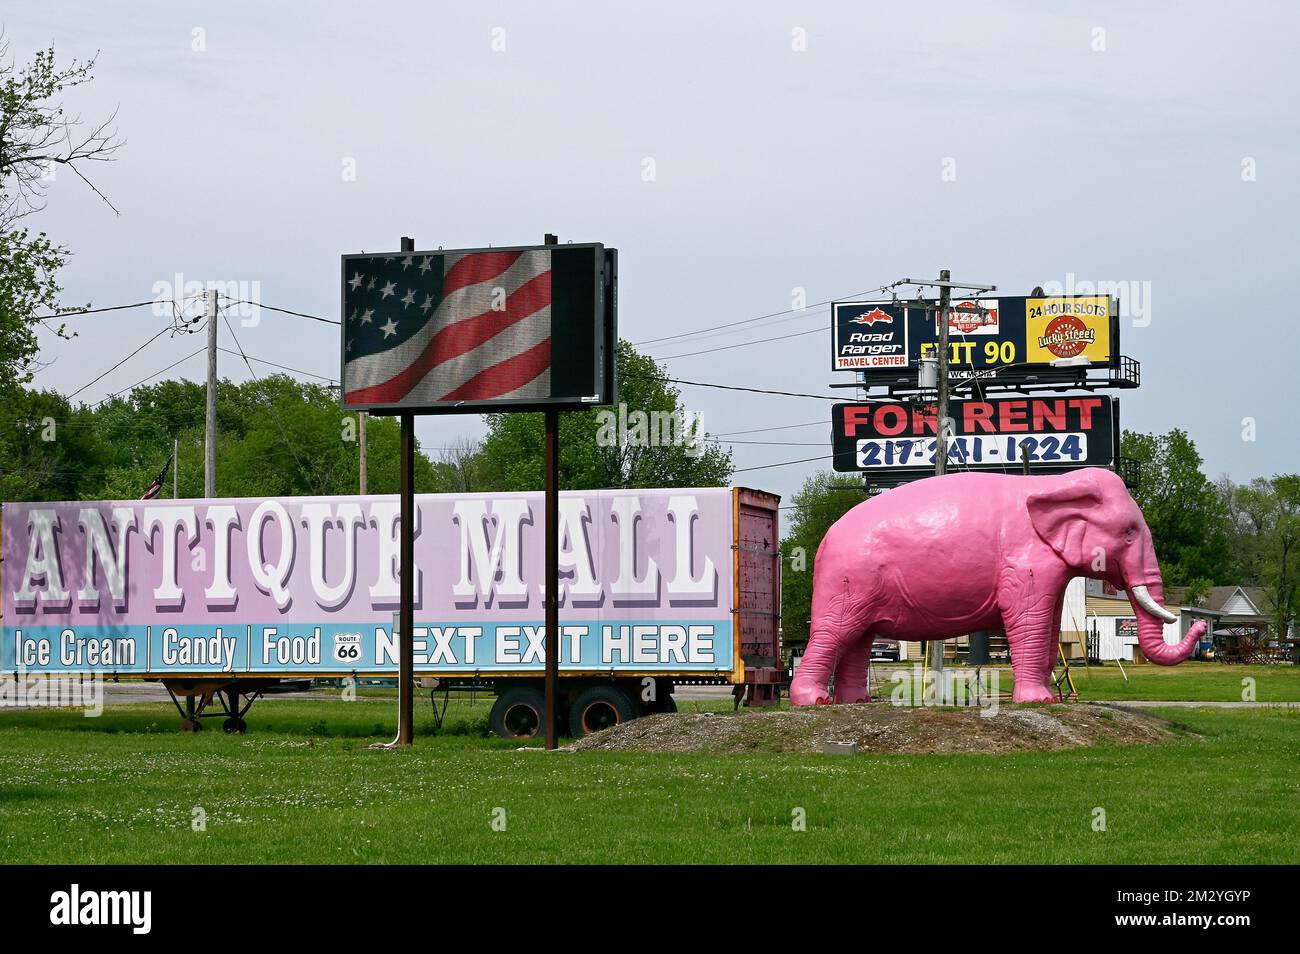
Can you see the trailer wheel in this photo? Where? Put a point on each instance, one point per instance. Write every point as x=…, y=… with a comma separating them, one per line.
x=519, y=713
x=599, y=708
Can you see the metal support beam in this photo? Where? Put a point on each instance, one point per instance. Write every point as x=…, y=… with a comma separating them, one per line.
x=406, y=609
x=552, y=573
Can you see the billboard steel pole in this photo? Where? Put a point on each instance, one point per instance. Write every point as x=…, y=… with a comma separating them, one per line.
x=552, y=644
x=406, y=611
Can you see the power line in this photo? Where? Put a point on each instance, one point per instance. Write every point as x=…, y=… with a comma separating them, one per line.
x=746, y=321
x=149, y=378
x=784, y=463
x=733, y=387
x=781, y=427
x=744, y=344
x=720, y=440
x=75, y=312
x=812, y=311
x=310, y=474
x=119, y=364
x=283, y=311
x=282, y=367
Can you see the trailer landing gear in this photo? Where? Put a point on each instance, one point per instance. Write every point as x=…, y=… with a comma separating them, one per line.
x=235, y=698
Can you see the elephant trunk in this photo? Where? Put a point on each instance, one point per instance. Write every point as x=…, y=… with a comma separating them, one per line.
x=1147, y=603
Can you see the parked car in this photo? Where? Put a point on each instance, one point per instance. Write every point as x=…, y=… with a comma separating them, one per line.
x=885, y=650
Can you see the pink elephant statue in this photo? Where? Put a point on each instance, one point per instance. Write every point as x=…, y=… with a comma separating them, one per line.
x=942, y=557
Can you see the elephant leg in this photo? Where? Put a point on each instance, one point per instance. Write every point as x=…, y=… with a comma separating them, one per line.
x=839, y=619
x=1053, y=656
x=811, y=682
x=851, y=675
x=1031, y=649
x=1029, y=616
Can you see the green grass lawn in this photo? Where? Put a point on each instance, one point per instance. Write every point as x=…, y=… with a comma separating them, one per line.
x=302, y=786
x=1190, y=681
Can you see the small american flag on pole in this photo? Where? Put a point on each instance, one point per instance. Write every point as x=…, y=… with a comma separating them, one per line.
x=156, y=487
x=469, y=327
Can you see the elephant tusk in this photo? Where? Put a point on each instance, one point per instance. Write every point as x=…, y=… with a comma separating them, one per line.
x=1151, y=606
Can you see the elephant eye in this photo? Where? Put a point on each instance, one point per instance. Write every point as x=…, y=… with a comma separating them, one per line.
x=1130, y=534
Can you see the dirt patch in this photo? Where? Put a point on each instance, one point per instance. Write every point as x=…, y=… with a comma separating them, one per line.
x=882, y=728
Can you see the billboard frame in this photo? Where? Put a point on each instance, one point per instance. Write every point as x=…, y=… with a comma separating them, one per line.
x=895, y=477
x=906, y=377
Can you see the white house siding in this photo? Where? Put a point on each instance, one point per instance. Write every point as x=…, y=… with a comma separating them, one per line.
x=1238, y=605
x=1074, y=610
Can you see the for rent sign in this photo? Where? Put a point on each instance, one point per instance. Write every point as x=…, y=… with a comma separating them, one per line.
x=896, y=440
x=309, y=585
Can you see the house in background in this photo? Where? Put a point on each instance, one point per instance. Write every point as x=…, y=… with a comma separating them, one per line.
x=1095, y=610
x=1243, y=622
x=1236, y=618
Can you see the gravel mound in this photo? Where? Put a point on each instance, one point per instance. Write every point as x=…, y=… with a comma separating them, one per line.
x=879, y=727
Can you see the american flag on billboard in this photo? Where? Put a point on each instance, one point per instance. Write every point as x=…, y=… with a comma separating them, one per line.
x=479, y=326
x=156, y=487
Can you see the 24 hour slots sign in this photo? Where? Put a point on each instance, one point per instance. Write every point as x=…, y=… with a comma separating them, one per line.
x=895, y=440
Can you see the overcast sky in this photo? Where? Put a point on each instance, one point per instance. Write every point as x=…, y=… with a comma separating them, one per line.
x=794, y=146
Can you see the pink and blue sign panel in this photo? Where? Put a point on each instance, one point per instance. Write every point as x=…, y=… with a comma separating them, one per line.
x=309, y=585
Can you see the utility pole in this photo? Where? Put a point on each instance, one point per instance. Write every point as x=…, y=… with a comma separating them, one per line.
x=210, y=431
x=361, y=438
x=941, y=437
x=945, y=284
x=176, y=467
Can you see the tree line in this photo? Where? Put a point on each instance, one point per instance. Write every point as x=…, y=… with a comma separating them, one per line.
x=277, y=436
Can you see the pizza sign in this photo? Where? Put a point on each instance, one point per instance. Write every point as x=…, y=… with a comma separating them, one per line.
x=972, y=317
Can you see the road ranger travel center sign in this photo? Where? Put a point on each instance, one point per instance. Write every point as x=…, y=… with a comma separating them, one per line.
x=1003, y=337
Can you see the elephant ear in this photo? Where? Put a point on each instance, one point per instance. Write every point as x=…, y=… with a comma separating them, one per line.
x=1060, y=512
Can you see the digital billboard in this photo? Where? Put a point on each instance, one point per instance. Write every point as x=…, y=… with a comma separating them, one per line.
x=479, y=330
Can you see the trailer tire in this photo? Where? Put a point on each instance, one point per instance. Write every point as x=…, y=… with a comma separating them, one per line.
x=519, y=713
x=599, y=708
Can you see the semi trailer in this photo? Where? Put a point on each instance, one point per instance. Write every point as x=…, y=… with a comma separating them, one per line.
x=225, y=600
